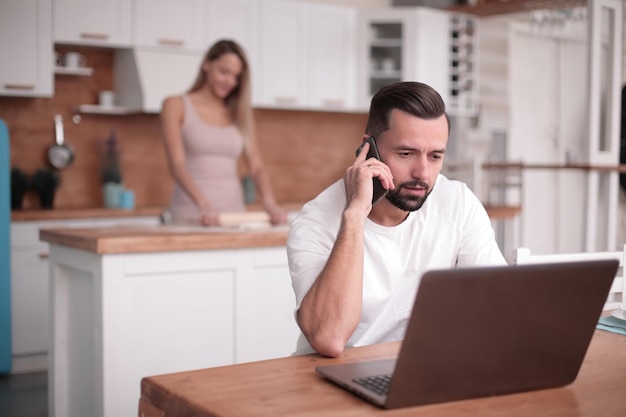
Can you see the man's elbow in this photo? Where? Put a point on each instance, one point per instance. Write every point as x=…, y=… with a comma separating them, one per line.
x=326, y=346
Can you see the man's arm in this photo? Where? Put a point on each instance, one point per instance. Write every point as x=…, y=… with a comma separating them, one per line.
x=331, y=309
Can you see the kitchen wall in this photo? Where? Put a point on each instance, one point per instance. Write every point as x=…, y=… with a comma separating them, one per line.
x=303, y=151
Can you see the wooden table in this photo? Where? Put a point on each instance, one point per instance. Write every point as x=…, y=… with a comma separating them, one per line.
x=290, y=387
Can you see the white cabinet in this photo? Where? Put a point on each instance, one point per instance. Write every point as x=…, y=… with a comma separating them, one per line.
x=26, y=48
x=420, y=44
x=281, y=53
x=266, y=326
x=307, y=53
x=330, y=39
x=173, y=24
x=236, y=20
x=93, y=22
x=120, y=317
x=29, y=287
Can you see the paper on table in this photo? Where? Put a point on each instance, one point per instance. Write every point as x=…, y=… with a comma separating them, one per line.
x=612, y=324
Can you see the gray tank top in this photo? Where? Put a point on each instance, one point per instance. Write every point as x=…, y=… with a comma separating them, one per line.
x=211, y=156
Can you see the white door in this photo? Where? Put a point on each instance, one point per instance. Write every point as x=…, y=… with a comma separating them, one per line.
x=547, y=123
x=605, y=85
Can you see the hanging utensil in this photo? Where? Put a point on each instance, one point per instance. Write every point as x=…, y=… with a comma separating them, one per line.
x=60, y=155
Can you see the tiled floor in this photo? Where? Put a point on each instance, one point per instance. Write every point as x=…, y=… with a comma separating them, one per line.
x=24, y=395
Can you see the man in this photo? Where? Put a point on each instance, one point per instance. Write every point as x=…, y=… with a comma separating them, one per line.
x=355, y=267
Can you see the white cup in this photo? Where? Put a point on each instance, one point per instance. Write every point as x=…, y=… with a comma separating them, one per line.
x=74, y=60
x=106, y=98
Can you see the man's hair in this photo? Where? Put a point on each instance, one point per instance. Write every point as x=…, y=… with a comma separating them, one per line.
x=417, y=99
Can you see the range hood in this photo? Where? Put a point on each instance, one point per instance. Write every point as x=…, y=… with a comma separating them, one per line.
x=144, y=77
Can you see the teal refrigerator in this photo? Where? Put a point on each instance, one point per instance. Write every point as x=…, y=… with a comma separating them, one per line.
x=5, y=254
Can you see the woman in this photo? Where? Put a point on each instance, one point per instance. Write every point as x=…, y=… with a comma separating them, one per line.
x=205, y=132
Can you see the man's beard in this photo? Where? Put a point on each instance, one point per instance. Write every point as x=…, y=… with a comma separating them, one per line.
x=411, y=202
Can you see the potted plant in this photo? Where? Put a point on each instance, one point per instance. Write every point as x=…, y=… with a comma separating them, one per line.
x=111, y=173
x=45, y=182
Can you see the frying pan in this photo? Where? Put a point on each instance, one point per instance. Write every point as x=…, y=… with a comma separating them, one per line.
x=60, y=155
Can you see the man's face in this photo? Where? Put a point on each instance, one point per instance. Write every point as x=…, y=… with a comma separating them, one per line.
x=413, y=148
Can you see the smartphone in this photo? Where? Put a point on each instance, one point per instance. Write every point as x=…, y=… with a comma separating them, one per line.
x=379, y=191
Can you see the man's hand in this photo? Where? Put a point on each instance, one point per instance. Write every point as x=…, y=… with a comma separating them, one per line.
x=358, y=180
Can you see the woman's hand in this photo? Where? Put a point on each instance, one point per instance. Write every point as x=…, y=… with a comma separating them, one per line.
x=209, y=217
x=277, y=214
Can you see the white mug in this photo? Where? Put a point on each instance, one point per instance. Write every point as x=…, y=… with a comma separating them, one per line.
x=106, y=98
x=74, y=60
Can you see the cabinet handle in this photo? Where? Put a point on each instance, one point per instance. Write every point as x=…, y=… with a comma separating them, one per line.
x=171, y=42
x=286, y=100
x=333, y=103
x=44, y=255
x=91, y=35
x=19, y=86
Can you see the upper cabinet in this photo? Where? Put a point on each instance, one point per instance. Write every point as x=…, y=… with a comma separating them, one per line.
x=236, y=20
x=305, y=55
x=175, y=24
x=93, y=22
x=420, y=44
x=26, y=48
x=330, y=39
x=281, y=53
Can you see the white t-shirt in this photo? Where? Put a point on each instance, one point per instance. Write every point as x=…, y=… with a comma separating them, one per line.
x=452, y=229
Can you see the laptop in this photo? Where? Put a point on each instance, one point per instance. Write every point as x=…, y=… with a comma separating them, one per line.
x=484, y=331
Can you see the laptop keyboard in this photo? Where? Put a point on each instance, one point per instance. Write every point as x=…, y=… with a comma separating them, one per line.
x=377, y=383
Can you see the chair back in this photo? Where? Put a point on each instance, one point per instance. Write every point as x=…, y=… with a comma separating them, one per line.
x=616, y=294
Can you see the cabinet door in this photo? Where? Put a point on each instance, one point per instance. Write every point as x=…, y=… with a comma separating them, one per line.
x=330, y=56
x=383, y=49
x=93, y=22
x=26, y=48
x=168, y=23
x=266, y=326
x=29, y=300
x=236, y=20
x=421, y=44
x=281, y=54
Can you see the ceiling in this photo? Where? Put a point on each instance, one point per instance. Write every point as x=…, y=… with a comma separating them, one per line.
x=484, y=8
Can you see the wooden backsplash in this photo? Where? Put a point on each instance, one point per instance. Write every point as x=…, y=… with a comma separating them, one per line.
x=304, y=151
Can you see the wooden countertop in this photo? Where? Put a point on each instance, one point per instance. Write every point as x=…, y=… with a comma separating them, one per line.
x=134, y=239
x=167, y=238
x=584, y=167
x=82, y=213
x=101, y=212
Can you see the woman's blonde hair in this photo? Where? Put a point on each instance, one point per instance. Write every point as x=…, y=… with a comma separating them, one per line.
x=238, y=101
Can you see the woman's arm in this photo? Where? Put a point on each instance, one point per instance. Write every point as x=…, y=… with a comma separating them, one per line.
x=262, y=182
x=172, y=115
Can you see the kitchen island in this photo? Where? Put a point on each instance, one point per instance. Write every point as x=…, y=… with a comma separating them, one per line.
x=128, y=302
